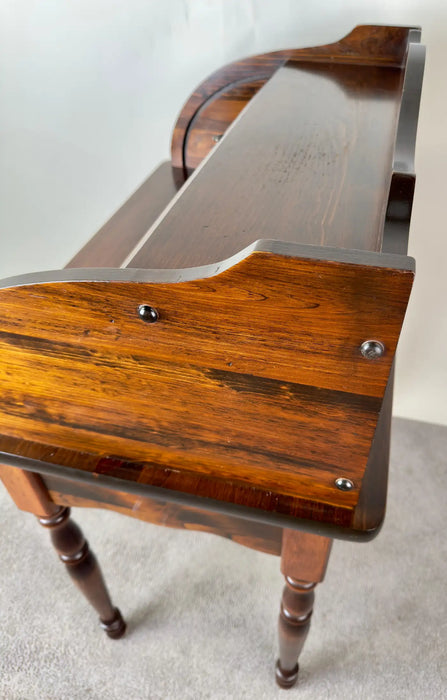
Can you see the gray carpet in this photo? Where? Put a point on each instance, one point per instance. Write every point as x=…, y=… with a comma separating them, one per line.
x=202, y=611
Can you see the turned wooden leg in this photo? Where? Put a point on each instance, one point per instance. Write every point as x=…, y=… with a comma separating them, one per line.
x=83, y=568
x=304, y=559
x=294, y=622
x=29, y=493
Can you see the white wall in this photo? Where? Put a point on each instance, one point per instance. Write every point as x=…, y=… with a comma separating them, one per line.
x=89, y=92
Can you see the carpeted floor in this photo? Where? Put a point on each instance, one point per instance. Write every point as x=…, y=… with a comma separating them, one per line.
x=202, y=611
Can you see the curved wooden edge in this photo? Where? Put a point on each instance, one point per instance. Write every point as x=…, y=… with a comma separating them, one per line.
x=365, y=44
x=255, y=535
x=369, y=513
x=44, y=497
x=403, y=179
x=403, y=161
x=175, y=276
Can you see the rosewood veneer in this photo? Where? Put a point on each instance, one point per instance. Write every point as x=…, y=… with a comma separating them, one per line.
x=220, y=355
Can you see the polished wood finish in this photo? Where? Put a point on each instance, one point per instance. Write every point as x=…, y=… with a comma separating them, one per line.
x=81, y=564
x=250, y=533
x=293, y=627
x=238, y=408
x=213, y=119
x=121, y=233
x=28, y=491
x=302, y=421
x=304, y=560
x=130, y=221
x=304, y=556
x=310, y=129
x=400, y=199
x=370, y=511
x=217, y=101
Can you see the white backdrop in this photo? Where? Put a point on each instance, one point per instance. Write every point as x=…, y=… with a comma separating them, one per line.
x=89, y=93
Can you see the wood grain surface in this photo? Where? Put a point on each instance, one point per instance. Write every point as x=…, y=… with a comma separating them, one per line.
x=250, y=389
x=229, y=88
x=292, y=168
x=253, y=534
x=110, y=245
x=252, y=378
x=27, y=491
x=238, y=407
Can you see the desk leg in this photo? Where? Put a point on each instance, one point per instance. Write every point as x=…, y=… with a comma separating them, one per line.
x=83, y=568
x=304, y=559
x=29, y=493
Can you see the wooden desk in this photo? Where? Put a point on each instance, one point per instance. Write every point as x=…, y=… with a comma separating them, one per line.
x=225, y=363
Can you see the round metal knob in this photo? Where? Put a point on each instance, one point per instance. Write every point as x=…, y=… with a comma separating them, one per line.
x=372, y=349
x=344, y=484
x=147, y=313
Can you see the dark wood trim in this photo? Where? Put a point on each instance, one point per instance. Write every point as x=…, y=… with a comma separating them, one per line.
x=400, y=197
x=82, y=567
x=293, y=627
x=125, y=228
x=369, y=513
x=203, y=503
x=356, y=48
x=253, y=534
x=370, y=45
x=403, y=161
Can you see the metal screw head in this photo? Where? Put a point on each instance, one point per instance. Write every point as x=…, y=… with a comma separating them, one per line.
x=344, y=484
x=372, y=349
x=217, y=138
x=147, y=313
